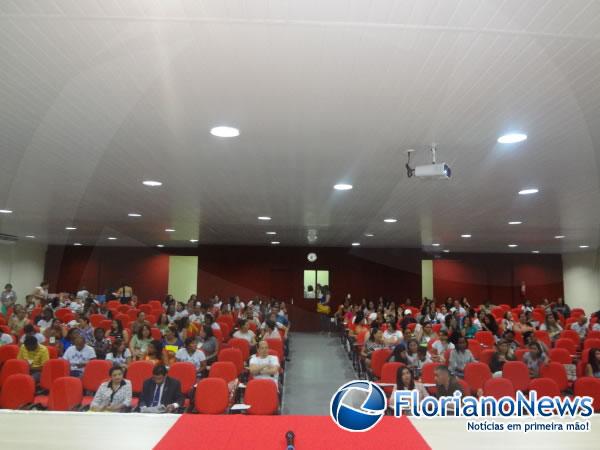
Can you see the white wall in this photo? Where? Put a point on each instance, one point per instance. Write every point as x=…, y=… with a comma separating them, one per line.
x=22, y=265
x=581, y=278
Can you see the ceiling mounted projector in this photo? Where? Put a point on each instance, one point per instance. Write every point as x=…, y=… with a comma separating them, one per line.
x=433, y=170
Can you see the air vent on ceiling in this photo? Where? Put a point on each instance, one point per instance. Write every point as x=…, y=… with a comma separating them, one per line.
x=8, y=239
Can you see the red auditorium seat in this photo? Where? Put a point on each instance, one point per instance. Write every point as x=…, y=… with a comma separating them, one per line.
x=485, y=338
x=378, y=358
x=567, y=344
x=591, y=343
x=18, y=391
x=51, y=370
x=94, y=373
x=576, y=312
x=520, y=352
x=475, y=348
x=262, y=397
x=156, y=333
x=593, y=334
x=518, y=373
x=151, y=319
x=63, y=314
x=223, y=369
x=589, y=386
x=242, y=345
x=155, y=304
x=13, y=366
x=225, y=331
x=146, y=308
x=543, y=336
x=96, y=319
x=9, y=351
x=106, y=324
x=133, y=313
x=570, y=334
x=476, y=374
x=486, y=355
x=66, y=394
x=137, y=373
x=389, y=374
x=557, y=372
x=428, y=372
x=212, y=396
x=275, y=344
x=544, y=387
x=185, y=372
x=218, y=335
x=226, y=318
x=498, y=388
x=560, y=355
x=519, y=338
x=235, y=356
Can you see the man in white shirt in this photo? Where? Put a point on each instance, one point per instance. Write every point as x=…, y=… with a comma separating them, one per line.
x=40, y=293
x=245, y=333
x=79, y=355
x=197, y=315
x=580, y=326
x=265, y=366
x=189, y=353
x=82, y=294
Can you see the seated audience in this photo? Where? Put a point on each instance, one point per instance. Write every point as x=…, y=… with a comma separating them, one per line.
x=405, y=381
x=469, y=328
x=244, y=332
x=264, y=366
x=503, y=353
x=171, y=341
x=460, y=357
x=119, y=354
x=374, y=342
x=562, y=308
x=424, y=333
x=5, y=338
x=78, y=355
x=156, y=353
x=271, y=331
x=29, y=330
x=392, y=336
x=440, y=346
x=489, y=324
x=535, y=358
x=86, y=330
x=507, y=321
x=100, y=344
x=35, y=354
x=46, y=319
x=139, y=342
x=68, y=340
x=445, y=383
x=592, y=368
x=113, y=395
x=117, y=331
x=8, y=298
x=161, y=393
x=580, y=327
x=551, y=326
x=18, y=320
x=208, y=343
x=190, y=353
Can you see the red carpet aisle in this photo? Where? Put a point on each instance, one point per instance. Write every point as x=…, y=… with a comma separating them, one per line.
x=268, y=433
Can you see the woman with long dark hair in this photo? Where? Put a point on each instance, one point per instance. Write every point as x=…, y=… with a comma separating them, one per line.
x=592, y=368
x=405, y=381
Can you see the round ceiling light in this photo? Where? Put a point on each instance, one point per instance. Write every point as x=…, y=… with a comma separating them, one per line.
x=512, y=138
x=225, y=132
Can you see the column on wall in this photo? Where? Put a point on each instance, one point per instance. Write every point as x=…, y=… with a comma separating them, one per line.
x=427, y=278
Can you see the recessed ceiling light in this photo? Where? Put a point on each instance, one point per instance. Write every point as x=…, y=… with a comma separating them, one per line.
x=528, y=191
x=152, y=183
x=160, y=245
x=560, y=236
x=390, y=220
x=342, y=187
x=271, y=232
x=170, y=230
x=584, y=246
x=111, y=238
x=435, y=244
x=193, y=240
x=225, y=132
x=76, y=244
x=70, y=228
x=515, y=222
x=512, y=245
x=5, y=211
x=535, y=251
x=264, y=218
x=369, y=234
x=466, y=236
x=512, y=138
x=134, y=215
x=275, y=242
x=355, y=244
x=446, y=251
x=30, y=236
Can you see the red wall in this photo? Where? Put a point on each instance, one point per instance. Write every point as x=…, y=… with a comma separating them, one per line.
x=498, y=277
x=99, y=268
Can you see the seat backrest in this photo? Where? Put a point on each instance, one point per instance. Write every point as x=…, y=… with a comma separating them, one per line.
x=591, y=342
x=485, y=338
x=389, y=372
x=557, y=372
x=560, y=355
x=106, y=324
x=96, y=319
x=235, y=356
x=262, y=397
x=570, y=334
x=11, y=367
x=17, y=391
x=498, y=388
x=518, y=373
x=156, y=334
x=94, y=373
x=53, y=369
x=242, y=345
x=133, y=313
x=475, y=348
x=212, y=396
x=277, y=345
x=8, y=351
x=147, y=308
x=593, y=334
x=223, y=369
x=218, y=335
x=567, y=344
x=589, y=386
x=428, y=372
x=476, y=374
x=378, y=358
x=137, y=373
x=544, y=387
x=185, y=372
x=62, y=314
x=520, y=352
x=65, y=394
x=155, y=304
x=544, y=337
x=486, y=356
